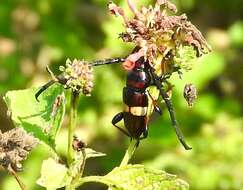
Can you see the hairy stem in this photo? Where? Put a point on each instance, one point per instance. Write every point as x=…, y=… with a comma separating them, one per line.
x=73, y=121
x=130, y=151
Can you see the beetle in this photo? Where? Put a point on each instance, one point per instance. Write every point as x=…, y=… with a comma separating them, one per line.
x=139, y=103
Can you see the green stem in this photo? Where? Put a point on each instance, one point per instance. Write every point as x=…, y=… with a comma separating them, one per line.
x=88, y=179
x=73, y=121
x=130, y=151
x=69, y=187
x=79, y=175
x=99, y=179
x=81, y=171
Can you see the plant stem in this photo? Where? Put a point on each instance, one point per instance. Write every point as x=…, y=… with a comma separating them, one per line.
x=73, y=121
x=129, y=152
x=83, y=163
x=21, y=184
x=87, y=179
x=76, y=180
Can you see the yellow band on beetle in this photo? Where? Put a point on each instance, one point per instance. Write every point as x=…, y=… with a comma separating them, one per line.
x=136, y=110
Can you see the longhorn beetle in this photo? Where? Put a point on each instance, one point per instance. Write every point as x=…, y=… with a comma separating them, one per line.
x=139, y=103
x=138, y=100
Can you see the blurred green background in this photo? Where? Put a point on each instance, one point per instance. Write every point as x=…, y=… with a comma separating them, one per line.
x=34, y=34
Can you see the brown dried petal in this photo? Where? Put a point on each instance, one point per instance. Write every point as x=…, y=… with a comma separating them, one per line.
x=126, y=37
x=115, y=10
x=168, y=5
x=160, y=2
x=133, y=8
x=155, y=32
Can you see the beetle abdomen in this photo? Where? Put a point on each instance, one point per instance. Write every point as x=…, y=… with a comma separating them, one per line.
x=136, y=125
x=134, y=98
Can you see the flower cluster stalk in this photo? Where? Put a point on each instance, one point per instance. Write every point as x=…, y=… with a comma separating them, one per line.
x=73, y=122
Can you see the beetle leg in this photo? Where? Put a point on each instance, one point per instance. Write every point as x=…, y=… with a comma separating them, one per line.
x=118, y=117
x=158, y=110
x=156, y=107
x=145, y=133
x=171, y=110
x=107, y=61
x=137, y=144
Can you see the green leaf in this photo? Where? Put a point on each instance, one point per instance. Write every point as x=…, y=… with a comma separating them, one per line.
x=36, y=117
x=76, y=168
x=53, y=175
x=138, y=177
x=90, y=153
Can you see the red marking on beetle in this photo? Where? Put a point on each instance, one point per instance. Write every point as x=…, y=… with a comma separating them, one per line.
x=128, y=65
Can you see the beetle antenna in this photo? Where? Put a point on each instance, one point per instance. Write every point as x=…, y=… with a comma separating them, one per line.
x=173, y=119
x=59, y=78
x=53, y=76
x=107, y=61
x=43, y=88
x=171, y=111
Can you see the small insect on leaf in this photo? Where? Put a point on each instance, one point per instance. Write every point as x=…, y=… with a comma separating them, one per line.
x=57, y=103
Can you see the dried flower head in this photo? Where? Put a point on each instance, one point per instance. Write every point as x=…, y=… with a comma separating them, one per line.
x=15, y=145
x=78, y=75
x=78, y=144
x=158, y=34
x=190, y=94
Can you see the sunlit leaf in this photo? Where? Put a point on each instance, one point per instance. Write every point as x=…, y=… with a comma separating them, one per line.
x=216, y=160
x=36, y=117
x=137, y=177
x=90, y=153
x=77, y=165
x=53, y=175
